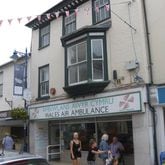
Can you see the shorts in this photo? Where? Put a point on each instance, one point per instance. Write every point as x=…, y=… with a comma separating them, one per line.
x=76, y=156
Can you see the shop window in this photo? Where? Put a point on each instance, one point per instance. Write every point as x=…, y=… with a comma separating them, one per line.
x=100, y=12
x=121, y=129
x=44, y=81
x=69, y=24
x=1, y=84
x=44, y=36
x=86, y=131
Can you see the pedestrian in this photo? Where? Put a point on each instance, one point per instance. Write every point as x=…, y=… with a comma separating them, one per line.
x=116, y=148
x=93, y=150
x=104, y=146
x=75, y=149
x=7, y=142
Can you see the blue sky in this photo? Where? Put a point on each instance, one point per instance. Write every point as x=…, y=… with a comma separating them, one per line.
x=16, y=36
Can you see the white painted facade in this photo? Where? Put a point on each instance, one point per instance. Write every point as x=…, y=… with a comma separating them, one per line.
x=155, y=11
x=124, y=44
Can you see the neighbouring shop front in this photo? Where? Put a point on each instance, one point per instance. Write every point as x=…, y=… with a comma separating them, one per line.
x=118, y=113
x=158, y=102
x=13, y=127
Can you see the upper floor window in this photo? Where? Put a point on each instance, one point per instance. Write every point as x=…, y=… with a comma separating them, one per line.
x=44, y=36
x=44, y=81
x=101, y=10
x=69, y=23
x=1, y=84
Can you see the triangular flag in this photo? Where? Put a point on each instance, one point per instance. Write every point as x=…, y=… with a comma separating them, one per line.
x=1, y=21
x=29, y=18
x=107, y=7
x=97, y=9
x=76, y=11
x=57, y=14
x=19, y=20
x=9, y=21
x=39, y=18
x=67, y=13
x=48, y=15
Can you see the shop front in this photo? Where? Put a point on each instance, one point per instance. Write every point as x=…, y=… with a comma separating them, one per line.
x=13, y=127
x=120, y=113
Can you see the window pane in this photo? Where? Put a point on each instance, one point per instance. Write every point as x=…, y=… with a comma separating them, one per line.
x=72, y=55
x=1, y=78
x=101, y=13
x=45, y=39
x=97, y=48
x=97, y=69
x=70, y=23
x=44, y=74
x=1, y=90
x=82, y=51
x=44, y=36
x=45, y=30
x=83, y=72
x=73, y=74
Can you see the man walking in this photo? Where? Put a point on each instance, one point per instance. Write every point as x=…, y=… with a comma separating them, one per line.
x=7, y=142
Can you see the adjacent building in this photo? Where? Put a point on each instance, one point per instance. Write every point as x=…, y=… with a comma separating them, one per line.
x=11, y=96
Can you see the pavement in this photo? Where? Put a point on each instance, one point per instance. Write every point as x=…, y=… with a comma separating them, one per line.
x=59, y=163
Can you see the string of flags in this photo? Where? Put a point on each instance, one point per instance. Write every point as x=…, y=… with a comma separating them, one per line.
x=49, y=16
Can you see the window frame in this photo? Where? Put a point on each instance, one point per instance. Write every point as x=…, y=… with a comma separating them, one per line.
x=94, y=12
x=39, y=82
x=71, y=22
x=1, y=84
x=41, y=46
x=88, y=39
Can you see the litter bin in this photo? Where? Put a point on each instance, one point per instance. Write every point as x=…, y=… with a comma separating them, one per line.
x=162, y=158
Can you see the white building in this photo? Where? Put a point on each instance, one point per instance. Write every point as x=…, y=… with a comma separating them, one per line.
x=155, y=11
x=10, y=98
x=89, y=70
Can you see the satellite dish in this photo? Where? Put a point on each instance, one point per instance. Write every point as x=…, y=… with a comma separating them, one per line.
x=27, y=94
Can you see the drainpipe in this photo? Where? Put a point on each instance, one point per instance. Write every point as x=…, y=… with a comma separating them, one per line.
x=153, y=111
x=151, y=108
x=148, y=41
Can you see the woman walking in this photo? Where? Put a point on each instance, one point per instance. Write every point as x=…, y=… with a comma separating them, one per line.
x=75, y=149
x=104, y=146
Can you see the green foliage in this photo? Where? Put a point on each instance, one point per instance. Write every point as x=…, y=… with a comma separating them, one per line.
x=19, y=113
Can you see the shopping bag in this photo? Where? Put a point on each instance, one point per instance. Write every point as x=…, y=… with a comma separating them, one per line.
x=109, y=159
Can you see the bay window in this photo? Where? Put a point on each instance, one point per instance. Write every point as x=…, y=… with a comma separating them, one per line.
x=85, y=62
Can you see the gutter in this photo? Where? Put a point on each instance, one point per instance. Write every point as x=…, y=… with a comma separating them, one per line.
x=151, y=108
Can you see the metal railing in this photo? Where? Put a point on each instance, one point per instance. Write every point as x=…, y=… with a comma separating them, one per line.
x=49, y=149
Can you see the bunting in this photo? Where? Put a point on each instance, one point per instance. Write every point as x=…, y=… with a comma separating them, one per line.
x=48, y=16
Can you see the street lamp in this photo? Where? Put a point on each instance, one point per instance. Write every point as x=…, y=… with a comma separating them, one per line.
x=16, y=55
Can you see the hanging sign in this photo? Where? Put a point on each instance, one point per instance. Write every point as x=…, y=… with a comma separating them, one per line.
x=19, y=72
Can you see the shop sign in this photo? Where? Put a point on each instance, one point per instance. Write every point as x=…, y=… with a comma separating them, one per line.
x=4, y=114
x=127, y=103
